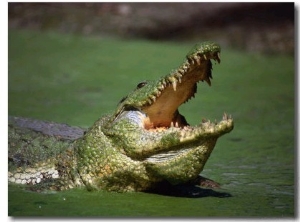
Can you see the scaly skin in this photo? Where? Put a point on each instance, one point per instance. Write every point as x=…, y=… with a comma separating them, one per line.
x=146, y=141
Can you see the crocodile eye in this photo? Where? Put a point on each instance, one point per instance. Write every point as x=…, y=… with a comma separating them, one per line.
x=141, y=84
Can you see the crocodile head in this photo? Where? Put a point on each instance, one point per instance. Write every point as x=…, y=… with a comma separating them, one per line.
x=159, y=100
x=150, y=129
x=146, y=141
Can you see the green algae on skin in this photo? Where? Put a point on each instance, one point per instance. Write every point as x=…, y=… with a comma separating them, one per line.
x=145, y=140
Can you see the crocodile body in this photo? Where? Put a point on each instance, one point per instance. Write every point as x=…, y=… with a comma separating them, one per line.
x=146, y=141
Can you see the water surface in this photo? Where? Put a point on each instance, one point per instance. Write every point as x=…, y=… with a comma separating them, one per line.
x=255, y=163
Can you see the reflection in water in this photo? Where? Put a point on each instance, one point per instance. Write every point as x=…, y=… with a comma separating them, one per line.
x=190, y=191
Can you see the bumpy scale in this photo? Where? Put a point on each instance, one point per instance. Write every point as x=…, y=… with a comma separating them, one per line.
x=144, y=142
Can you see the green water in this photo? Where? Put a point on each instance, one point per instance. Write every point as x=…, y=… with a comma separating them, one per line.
x=74, y=80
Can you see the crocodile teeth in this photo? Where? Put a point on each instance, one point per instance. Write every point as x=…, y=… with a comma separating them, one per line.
x=174, y=84
x=173, y=80
x=204, y=56
x=174, y=125
x=164, y=83
x=197, y=59
x=180, y=70
x=225, y=116
x=185, y=67
x=178, y=76
x=153, y=98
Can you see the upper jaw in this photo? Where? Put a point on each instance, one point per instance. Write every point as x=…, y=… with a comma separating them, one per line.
x=159, y=100
x=177, y=88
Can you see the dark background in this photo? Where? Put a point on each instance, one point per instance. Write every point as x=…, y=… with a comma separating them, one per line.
x=259, y=27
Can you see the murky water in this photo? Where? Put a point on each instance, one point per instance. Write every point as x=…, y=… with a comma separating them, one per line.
x=255, y=166
x=257, y=186
x=255, y=163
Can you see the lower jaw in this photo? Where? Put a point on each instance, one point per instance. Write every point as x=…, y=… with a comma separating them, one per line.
x=183, y=166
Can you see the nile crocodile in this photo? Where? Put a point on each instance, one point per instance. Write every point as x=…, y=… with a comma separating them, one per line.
x=144, y=142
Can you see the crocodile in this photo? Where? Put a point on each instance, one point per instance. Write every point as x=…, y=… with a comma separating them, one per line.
x=145, y=142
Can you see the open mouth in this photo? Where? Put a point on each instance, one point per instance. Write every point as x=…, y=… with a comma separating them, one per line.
x=175, y=89
x=153, y=108
x=161, y=109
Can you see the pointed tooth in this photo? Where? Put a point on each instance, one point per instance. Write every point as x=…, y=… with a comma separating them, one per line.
x=185, y=67
x=171, y=78
x=172, y=124
x=181, y=71
x=204, y=56
x=174, y=84
x=197, y=59
x=161, y=87
x=178, y=75
x=225, y=117
x=176, y=124
x=153, y=98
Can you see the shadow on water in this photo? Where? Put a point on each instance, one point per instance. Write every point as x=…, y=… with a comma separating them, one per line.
x=188, y=191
